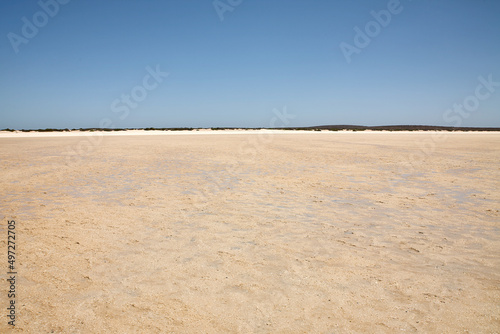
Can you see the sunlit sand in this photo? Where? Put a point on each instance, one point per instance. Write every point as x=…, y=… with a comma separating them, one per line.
x=254, y=232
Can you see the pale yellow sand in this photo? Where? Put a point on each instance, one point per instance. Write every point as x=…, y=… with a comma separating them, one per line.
x=312, y=232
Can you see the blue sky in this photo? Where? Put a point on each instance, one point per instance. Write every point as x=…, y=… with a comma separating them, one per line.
x=232, y=62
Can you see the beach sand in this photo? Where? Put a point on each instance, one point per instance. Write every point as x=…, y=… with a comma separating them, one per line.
x=253, y=232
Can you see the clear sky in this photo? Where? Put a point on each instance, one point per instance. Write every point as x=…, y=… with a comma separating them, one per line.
x=72, y=64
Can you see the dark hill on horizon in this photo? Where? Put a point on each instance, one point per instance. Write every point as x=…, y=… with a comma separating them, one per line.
x=305, y=128
x=400, y=128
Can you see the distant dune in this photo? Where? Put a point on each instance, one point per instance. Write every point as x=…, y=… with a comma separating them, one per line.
x=400, y=128
x=308, y=128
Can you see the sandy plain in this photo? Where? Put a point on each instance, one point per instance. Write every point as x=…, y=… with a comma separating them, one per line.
x=253, y=232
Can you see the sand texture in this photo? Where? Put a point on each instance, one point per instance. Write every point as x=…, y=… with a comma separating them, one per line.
x=312, y=232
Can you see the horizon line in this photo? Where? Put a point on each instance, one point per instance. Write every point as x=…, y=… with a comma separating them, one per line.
x=337, y=127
